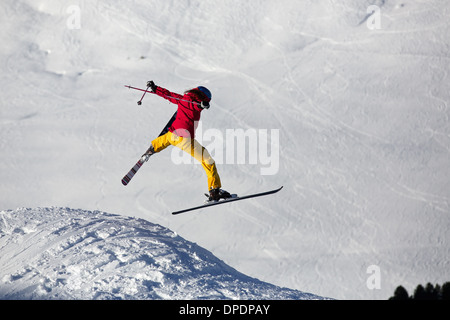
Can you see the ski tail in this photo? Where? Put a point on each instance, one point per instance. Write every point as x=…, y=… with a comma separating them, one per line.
x=127, y=178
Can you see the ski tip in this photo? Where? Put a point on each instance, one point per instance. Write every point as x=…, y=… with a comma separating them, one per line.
x=276, y=190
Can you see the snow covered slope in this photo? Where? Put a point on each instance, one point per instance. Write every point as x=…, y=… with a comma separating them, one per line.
x=61, y=253
x=362, y=112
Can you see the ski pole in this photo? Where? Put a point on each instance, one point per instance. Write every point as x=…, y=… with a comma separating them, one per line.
x=145, y=91
x=140, y=101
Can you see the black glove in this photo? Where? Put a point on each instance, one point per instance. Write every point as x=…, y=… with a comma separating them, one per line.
x=151, y=85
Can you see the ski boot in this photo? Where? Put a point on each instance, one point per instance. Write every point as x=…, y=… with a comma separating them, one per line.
x=217, y=194
x=147, y=154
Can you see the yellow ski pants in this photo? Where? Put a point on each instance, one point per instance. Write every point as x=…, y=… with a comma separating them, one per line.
x=195, y=149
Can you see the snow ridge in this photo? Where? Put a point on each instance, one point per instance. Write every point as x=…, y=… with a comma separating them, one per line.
x=62, y=253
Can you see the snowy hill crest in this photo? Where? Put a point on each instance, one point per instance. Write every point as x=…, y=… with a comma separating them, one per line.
x=61, y=253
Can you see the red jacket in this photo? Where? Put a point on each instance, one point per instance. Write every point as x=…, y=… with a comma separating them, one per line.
x=188, y=113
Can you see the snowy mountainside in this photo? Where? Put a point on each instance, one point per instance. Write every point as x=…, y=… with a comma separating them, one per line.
x=363, y=118
x=62, y=253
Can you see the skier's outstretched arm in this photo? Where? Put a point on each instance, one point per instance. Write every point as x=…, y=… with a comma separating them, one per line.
x=162, y=92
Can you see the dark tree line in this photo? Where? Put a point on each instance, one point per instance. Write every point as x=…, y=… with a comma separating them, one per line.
x=429, y=292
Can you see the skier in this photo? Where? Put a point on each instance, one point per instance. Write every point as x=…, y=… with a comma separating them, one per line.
x=182, y=133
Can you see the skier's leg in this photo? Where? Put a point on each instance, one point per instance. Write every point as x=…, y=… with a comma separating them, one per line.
x=196, y=150
x=162, y=142
x=209, y=165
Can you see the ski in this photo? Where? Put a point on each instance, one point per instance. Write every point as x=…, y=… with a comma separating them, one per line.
x=127, y=178
x=232, y=199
